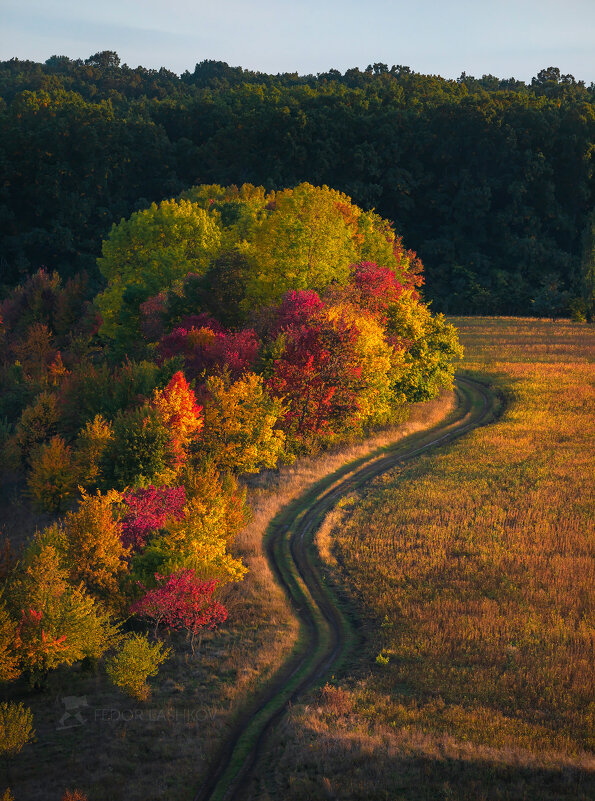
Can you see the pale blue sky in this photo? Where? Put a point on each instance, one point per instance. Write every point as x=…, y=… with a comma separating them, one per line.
x=506, y=38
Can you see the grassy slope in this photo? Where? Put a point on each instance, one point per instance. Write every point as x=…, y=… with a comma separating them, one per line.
x=475, y=571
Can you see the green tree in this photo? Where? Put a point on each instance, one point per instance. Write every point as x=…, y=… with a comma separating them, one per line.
x=59, y=623
x=147, y=253
x=134, y=663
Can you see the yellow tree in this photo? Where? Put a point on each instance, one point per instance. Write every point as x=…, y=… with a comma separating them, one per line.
x=240, y=431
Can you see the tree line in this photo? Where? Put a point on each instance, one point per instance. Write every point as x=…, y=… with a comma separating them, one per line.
x=489, y=179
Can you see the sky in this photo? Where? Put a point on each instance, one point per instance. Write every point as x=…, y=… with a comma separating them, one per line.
x=506, y=38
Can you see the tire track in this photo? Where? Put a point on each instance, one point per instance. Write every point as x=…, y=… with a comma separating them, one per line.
x=328, y=634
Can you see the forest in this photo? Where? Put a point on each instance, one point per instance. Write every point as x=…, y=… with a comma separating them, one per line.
x=489, y=179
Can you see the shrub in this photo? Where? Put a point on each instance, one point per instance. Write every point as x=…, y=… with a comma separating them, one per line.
x=137, y=660
x=16, y=727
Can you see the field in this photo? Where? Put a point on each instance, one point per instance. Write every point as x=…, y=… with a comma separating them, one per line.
x=473, y=572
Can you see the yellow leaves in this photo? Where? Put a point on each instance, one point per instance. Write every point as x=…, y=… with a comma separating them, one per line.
x=52, y=481
x=240, y=419
x=89, y=449
x=374, y=361
x=94, y=550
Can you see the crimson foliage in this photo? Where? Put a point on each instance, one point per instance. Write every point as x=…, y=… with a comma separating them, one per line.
x=147, y=511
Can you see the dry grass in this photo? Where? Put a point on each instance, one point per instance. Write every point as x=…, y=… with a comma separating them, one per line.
x=475, y=570
x=160, y=749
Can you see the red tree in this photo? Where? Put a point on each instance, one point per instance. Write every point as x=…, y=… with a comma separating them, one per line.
x=181, y=602
x=208, y=348
x=317, y=373
x=147, y=511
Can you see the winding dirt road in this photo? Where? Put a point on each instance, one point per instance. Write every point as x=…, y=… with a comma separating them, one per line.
x=328, y=632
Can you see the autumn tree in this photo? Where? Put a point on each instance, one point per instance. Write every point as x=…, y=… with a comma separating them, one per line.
x=214, y=511
x=141, y=451
x=181, y=602
x=181, y=415
x=241, y=431
x=316, y=372
x=207, y=348
x=92, y=546
x=16, y=727
x=145, y=254
x=52, y=481
x=426, y=347
x=148, y=510
x=135, y=662
x=58, y=623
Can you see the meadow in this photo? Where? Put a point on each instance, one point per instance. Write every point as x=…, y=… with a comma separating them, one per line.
x=473, y=572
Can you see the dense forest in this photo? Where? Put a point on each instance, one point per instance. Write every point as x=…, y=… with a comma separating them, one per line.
x=491, y=181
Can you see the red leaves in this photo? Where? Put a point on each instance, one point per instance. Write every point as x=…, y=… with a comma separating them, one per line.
x=181, y=602
x=32, y=640
x=148, y=510
x=206, y=349
x=317, y=372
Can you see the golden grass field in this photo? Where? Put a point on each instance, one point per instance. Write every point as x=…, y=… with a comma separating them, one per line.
x=473, y=569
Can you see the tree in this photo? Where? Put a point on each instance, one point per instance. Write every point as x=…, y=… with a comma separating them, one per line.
x=93, y=549
x=181, y=602
x=180, y=414
x=58, y=623
x=148, y=510
x=90, y=446
x=134, y=663
x=9, y=660
x=141, y=452
x=53, y=479
x=241, y=433
x=306, y=242
x=37, y=424
x=146, y=254
x=214, y=512
x=207, y=348
x=316, y=372
x=105, y=59
x=424, y=347
x=588, y=268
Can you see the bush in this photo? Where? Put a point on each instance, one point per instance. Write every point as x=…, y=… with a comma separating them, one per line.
x=16, y=727
x=138, y=659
